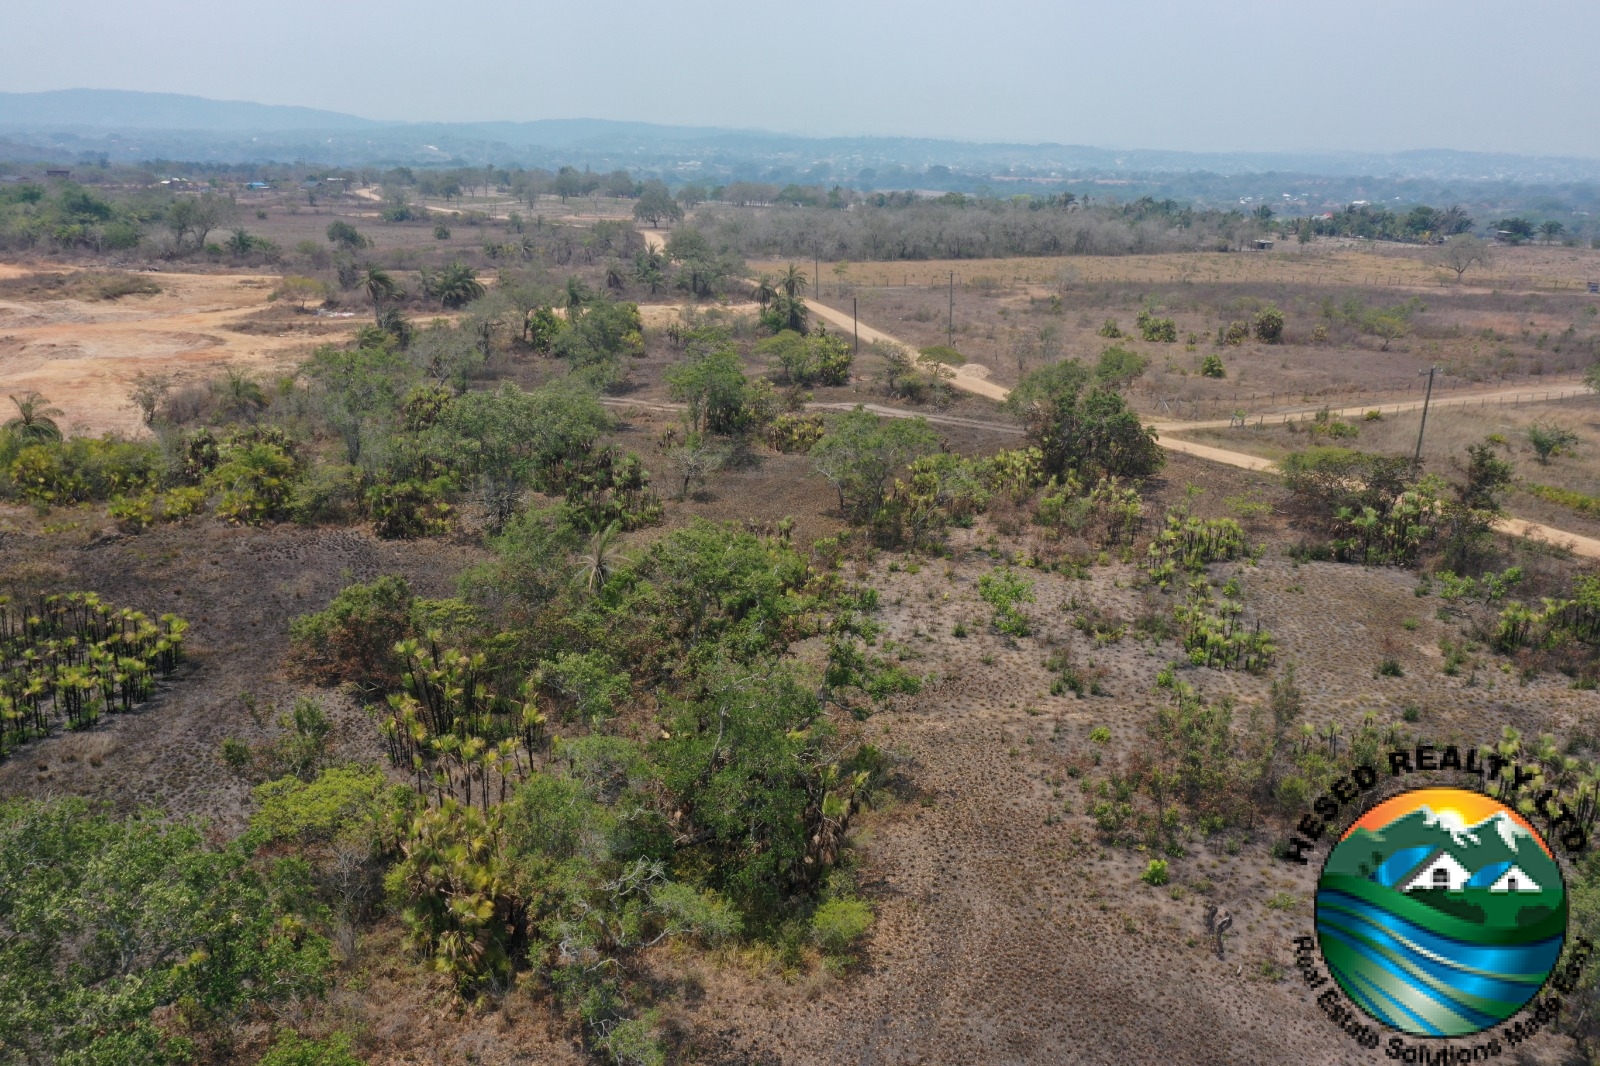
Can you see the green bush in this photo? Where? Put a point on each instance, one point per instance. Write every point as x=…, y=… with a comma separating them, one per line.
x=1004, y=591
x=1155, y=872
x=820, y=359
x=351, y=802
x=795, y=433
x=1269, y=325
x=256, y=482
x=407, y=509
x=1151, y=328
x=1212, y=367
x=353, y=639
x=839, y=925
x=151, y=917
x=291, y=1049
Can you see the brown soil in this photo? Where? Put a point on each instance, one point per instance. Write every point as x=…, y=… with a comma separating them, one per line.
x=84, y=356
x=1006, y=932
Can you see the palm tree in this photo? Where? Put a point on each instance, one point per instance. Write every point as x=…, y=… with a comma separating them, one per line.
x=791, y=311
x=600, y=559
x=455, y=286
x=36, y=420
x=764, y=291
x=382, y=287
x=241, y=394
x=793, y=281
x=1453, y=220
x=578, y=293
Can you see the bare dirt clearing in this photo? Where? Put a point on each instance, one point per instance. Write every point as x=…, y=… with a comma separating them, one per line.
x=84, y=356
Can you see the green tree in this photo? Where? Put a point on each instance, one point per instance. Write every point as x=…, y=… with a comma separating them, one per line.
x=509, y=438
x=1551, y=231
x=792, y=282
x=1514, y=230
x=656, y=203
x=357, y=390
x=860, y=455
x=1081, y=426
x=710, y=379
x=1487, y=476
x=346, y=236
x=650, y=270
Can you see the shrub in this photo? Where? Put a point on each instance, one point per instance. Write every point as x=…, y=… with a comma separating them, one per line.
x=1233, y=334
x=342, y=801
x=181, y=502
x=820, y=359
x=1390, y=668
x=354, y=638
x=1118, y=367
x=839, y=924
x=1077, y=424
x=290, y=1049
x=1211, y=366
x=1004, y=590
x=1155, y=872
x=795, y=433
x=1269, y=325
x=407, y=509
x=256, y=481
x=1548, y=440
x=940, y=353
x=1151, y=328
x=1111, y=330
x=133, y=514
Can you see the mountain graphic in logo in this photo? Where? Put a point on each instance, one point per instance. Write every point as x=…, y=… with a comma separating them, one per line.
x=1441, y=912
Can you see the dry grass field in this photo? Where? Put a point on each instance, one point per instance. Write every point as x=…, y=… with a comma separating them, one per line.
x=1008, y=930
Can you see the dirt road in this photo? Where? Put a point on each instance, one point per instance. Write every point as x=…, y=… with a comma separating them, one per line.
x=1586, y=547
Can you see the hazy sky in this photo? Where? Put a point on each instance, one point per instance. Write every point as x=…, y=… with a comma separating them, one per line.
x=1512, y=75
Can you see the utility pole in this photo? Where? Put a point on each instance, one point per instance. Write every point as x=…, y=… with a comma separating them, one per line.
x=1425, y=398
x=816, y=278
x=855, y=324
x=951, y=329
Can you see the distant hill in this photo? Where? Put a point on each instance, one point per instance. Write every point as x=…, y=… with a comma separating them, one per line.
x=113, y=109
x=92, y=125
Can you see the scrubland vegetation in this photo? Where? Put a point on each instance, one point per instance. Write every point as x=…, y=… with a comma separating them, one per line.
x=663, y=668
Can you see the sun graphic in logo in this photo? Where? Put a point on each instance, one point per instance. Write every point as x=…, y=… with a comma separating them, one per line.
x=1441, y=912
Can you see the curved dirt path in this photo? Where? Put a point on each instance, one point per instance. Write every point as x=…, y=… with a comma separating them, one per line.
x=1586, y=547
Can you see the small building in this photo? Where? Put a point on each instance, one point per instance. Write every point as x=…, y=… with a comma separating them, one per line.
x=258, y=186
x=1515, y=880
x=1440, y=870
x=1504, y=877
x=1262, y=245
x=62, y=174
